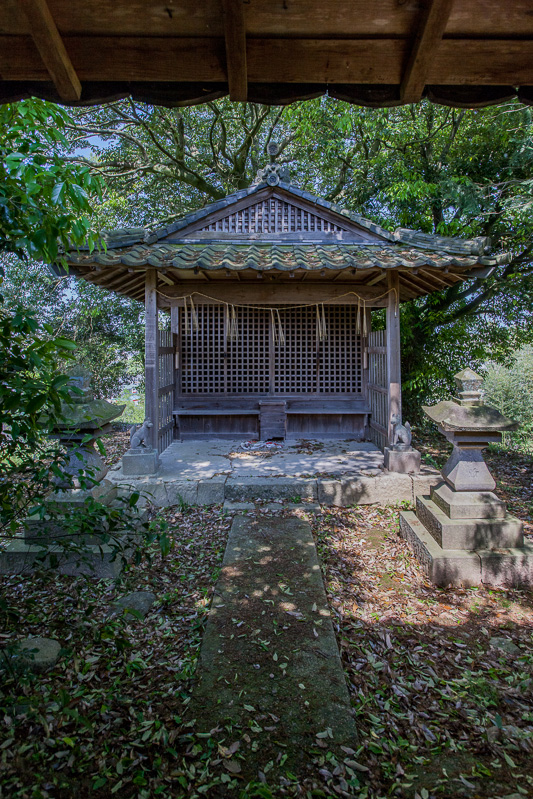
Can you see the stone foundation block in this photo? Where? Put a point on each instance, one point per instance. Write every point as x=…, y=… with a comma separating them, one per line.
x=248, y=489
x=407, y=462
x=212, y=491
x=137, y=464
x=510, y=568
x=468, y=504
x=468, y=533
x=100, y=562
x=385, y=489
x=443, y=567
x=181, y=493
x=424, y=482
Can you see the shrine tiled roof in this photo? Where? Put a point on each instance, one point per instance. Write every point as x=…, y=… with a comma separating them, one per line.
x=150, y=234
x=268, y=256
x=332, y=240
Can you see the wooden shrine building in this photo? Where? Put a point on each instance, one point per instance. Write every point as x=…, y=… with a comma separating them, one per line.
x=270, y=293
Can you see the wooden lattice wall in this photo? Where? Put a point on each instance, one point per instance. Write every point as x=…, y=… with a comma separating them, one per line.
x=272, y=216
x=165, y=399
x=257, y=363
x=378, y=387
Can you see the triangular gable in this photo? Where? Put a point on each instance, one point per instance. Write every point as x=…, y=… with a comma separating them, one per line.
x=274, y=214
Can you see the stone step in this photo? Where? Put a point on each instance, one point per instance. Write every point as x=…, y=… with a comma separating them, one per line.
x=443, y=567
x=468, y=504
x=249, y=489
x=468, y=534
x=508, y=567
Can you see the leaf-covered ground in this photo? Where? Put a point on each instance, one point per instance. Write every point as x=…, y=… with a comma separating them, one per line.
x=441, y=710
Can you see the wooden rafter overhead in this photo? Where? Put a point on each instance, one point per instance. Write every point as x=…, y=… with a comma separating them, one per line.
x=380, y=53
x=235, y=37
x=429, y=35
x=50, y=45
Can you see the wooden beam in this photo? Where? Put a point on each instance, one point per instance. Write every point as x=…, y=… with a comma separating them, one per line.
x=428, y=37
x=393, y=350
x=235, y=36
x=115, y=59
x=51, y=49
x=377, y=279
x=288, y=293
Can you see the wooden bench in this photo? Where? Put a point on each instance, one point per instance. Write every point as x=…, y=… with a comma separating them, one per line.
x=333, y=419
x=214, y=412
x=301, y=418
x=218, y=420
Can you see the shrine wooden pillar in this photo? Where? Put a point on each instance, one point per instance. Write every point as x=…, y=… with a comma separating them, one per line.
x=151, y=355
x=393, y=350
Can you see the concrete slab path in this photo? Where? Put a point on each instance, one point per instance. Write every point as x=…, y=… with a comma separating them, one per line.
x=269, y=667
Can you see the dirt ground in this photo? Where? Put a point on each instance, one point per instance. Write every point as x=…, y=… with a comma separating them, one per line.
x=441, y=680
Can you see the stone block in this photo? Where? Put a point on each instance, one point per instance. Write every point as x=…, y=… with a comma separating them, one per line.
x=232, y=507
x=36, y=654
x=212, y=491
x=423, y=482
x=443, y=567
x=407, y=462
x=467, y=504
x=248, y=489
x=510, y=568
x=466, y=470
x=180, y=493
x=140, y=463
x=155, y=493
x=99, y=562
x=387, y=488
x=139, y=601
x=468, y=533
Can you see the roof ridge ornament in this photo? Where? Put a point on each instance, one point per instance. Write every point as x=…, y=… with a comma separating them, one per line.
x=272, y=174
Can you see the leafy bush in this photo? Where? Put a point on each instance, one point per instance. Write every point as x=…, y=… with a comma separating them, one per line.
x=510, y=389
x=133, y=412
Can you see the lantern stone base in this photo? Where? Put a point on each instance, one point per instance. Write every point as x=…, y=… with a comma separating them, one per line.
x=53, y=542
x=100, y=562
x=140, y=461
x=402, y=461
x=454, y=547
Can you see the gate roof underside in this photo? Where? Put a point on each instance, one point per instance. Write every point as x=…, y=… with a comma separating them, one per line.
x=280, y=232
x=379, y=53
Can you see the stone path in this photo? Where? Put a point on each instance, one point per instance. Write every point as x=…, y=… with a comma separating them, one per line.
x=269, y=665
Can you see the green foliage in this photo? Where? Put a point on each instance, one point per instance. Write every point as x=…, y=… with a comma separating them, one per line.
x=510, y=389
x=31, y=391
x=44, y=201
x=107, y=328
x=133, y=412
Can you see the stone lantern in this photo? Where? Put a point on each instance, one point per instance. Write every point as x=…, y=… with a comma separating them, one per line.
x=462, y=533
x=47, y=540
x=83, y=421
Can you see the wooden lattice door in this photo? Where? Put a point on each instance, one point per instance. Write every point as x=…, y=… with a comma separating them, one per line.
x=304, y=365
x=216, y=362
x=202, y=351
x=277, y=354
